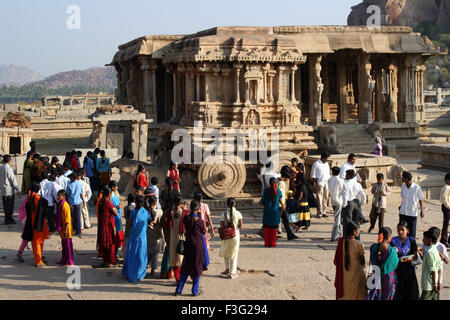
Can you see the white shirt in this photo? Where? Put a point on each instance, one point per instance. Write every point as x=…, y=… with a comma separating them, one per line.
x=49, y=191
x=86, y=190
x=347, y=166
x=155, y=191
x=352, y=190
x=410, y=200
x=335, y=186
x=8, y=182
x=62, y=181
x=441, y=249
x=321, y=172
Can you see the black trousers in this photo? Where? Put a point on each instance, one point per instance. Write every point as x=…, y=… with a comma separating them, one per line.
x=444, y=235
x=350, y=213
x=8, y=206
x=287, y=226
x=412, y=224
x=51, y=218
x=374, y=216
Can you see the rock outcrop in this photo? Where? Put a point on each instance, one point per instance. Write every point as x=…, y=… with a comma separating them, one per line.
x=404, y=12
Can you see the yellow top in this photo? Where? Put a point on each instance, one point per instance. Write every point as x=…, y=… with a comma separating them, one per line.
x=66, y=222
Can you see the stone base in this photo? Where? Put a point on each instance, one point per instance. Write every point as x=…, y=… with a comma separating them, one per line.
x=436, y=156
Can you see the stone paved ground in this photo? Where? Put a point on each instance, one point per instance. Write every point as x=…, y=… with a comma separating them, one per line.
x=300, y=269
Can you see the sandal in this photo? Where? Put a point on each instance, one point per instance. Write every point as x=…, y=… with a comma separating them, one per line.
x=233, y=276
x=20, y=258
x=226, y=272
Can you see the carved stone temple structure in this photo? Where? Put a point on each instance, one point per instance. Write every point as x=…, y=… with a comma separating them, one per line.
x=293, y=78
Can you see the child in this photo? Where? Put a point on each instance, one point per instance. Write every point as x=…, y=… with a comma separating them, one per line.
x=64, y=226
x=292, y=208
x=408, y=288
x=431, y=268
x=379, y=190
x=155, y=190
x=385, y=257
x=155, y=240
x=23, y=219
x=335, y=186
x=441, y=249
x=127, y=212
x=349, y=260
x=302, y=195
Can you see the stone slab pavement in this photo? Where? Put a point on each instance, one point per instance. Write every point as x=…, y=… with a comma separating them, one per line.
x=302, y=269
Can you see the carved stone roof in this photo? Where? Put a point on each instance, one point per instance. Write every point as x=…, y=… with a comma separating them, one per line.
x=273, y=44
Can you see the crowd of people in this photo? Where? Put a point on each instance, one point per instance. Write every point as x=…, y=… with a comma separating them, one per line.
x=160, y=222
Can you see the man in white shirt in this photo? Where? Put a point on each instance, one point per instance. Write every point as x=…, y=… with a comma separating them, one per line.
x=352, y=196
x=87, y=192
x=320, y=173
x=49, y=191
x=350, y=165
x=8, y=189
x=335, y=186
x=412, y=198
x=445, y=200
x=62, y=180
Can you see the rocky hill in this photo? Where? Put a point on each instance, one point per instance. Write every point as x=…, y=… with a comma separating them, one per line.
x=405, y=12
x=15, y=75
x=104, y=77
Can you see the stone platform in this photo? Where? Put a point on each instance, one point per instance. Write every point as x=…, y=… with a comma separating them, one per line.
x=436, y=156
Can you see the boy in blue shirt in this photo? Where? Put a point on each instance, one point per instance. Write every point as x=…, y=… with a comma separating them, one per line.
x=75, y=197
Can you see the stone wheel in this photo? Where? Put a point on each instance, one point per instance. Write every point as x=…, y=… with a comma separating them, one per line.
x=284, y=158
x=223, y=180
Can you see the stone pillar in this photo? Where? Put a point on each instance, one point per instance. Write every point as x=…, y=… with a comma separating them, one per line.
x=392, y=91
x=293, y=69
x=174, y=106
x=154, y=89
x=142, y=149
x=342, y=84
x=197, y=87
x=315, y=90
x=283, y=87
x=272, y=74
x=101, y=138
x=366, y=87
x=135, y=137
x=238, y=68
x=266, y=69
x=207, y=87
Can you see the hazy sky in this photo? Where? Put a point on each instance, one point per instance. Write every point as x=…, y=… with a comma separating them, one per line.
x=34, y=33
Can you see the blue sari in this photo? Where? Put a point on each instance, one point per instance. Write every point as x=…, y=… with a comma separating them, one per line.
x=387, y=261
x=135, y=263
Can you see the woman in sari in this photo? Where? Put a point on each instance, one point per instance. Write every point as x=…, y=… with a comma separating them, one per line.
x=26, y=177
x=378, y=147
x=408, y=288
x=350, y=281
x=174, y=174
x=135, y=263
x=385, y=257
x=114, y=186
x=271, y=200
x=106, y=237
x=196, y=258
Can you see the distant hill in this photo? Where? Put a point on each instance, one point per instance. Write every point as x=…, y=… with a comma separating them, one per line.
x=104, y=77
x=15, y=75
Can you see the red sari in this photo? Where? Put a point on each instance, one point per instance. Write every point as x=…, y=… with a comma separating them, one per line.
x=106, y=232
x=175, y=176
